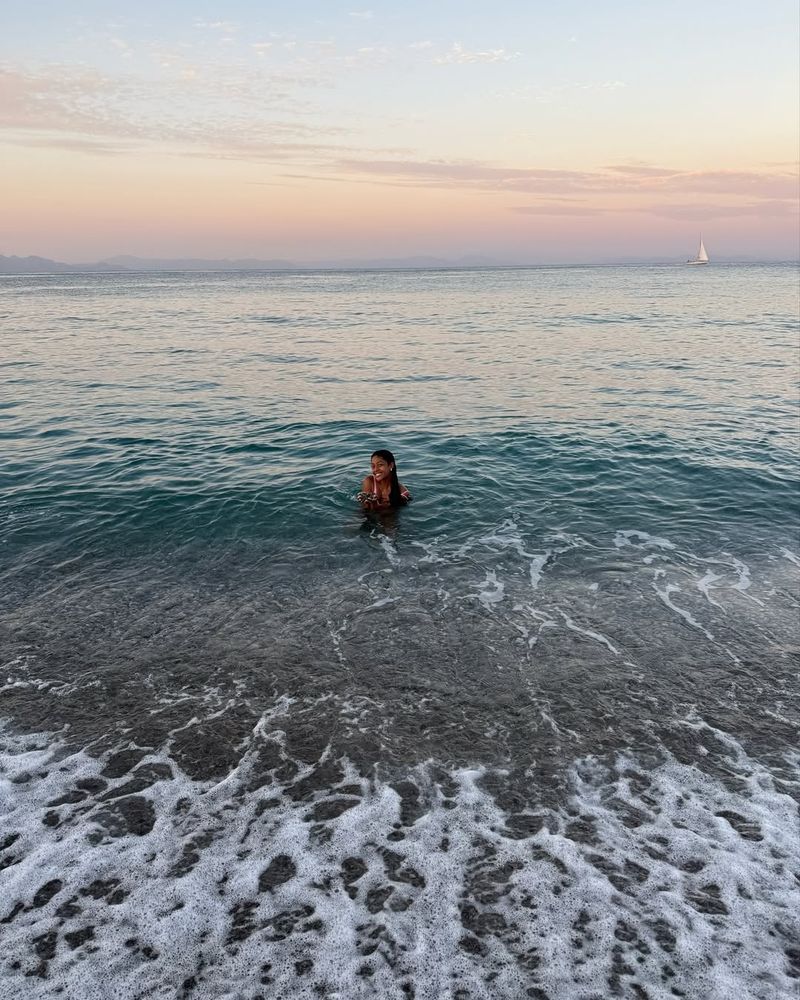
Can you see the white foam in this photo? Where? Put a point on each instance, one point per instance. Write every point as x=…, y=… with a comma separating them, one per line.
x=506, y=536
x=661, y=865
x=641, y=539
x=742, y=573
x=389, y=548
x=664, y=594
x=589, y=633
x=429, y=548
x=381, y=602
x=544, y=621
x=568, y=539
x=537, y=564
x=744, y=581
x=493, y=591
x=704, y=586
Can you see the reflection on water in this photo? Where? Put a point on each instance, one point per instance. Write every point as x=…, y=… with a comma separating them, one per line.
x=650, y=348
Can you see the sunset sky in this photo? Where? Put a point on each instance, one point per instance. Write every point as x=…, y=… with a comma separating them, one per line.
x=528, y=132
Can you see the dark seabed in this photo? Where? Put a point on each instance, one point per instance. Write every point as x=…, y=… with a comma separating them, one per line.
x=535, y=736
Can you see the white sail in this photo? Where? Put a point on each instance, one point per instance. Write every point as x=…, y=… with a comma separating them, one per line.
x=702, y=255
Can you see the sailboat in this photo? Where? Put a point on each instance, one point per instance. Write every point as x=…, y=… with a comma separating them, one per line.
x=702, y=256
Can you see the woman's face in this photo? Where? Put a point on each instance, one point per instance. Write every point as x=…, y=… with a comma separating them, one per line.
x=381, y=469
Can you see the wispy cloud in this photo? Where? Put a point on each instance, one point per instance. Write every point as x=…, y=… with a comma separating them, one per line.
x=226, y=27
x=780, y=183
x=442, y=173
x=621, y=179
x=196, y=109
x=458, y=54
x=773, y=185
x=547, y=93
x=365, y=15
x=558, y=208
x=640, y=170
x=703, y=213
x=682, y=212
x=73, y=144
x=90, y=112
x=54, y=101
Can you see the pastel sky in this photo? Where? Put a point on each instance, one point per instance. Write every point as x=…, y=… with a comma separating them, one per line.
x=525, y=131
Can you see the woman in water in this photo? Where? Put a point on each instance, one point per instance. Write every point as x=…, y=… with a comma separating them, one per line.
x=382, y=490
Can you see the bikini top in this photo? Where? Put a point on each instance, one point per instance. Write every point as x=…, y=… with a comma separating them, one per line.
x=404, y=494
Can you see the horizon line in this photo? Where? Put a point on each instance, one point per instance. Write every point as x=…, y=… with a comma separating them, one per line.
x=103, y=266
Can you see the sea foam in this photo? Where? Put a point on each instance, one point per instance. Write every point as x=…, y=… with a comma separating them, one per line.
x=646, y=879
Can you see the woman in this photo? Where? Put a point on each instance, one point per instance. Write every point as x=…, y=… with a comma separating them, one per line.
x=382, y=490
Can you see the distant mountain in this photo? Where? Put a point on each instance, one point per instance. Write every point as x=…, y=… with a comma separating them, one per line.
x=130, y=263
x=254, y=264
x=410, y=263
x=43, y=265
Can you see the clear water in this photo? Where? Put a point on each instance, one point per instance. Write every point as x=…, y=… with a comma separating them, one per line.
x=535, y=735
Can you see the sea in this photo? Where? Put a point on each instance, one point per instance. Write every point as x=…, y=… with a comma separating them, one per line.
x=535, y=735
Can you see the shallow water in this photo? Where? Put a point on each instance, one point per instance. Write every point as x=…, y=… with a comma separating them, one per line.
x=534, y=735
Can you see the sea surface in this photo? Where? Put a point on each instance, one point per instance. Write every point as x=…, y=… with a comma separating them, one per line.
x=536, y=735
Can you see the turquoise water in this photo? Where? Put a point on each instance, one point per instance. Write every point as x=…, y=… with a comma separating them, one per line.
x=572, y=659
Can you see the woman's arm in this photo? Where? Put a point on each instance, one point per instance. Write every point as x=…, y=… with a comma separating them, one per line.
x=367, y=497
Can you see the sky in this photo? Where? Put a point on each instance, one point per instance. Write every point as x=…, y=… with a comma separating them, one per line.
x=527, y=132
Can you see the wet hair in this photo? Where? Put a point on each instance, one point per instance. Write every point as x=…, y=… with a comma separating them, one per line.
x=394, y=492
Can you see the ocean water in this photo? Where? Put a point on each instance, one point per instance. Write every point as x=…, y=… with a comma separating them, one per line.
x=535, y=735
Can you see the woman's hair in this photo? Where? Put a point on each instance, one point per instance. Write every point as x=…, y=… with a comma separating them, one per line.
x=394, y=493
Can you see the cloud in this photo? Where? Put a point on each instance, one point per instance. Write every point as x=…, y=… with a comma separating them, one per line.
x=773, y=185
x=51, y=101
x=703, y=213
x=458, y=54
x=550, y=93
x=601, y=85
x=630, y=181
x=365, y=15
x=641, y=170
x=226, y=27
x=73, y=144
x=442, y=173
x=681, y=212
x=558, y=208
x=765, y=184
x=88, y=112
x=200, y=109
